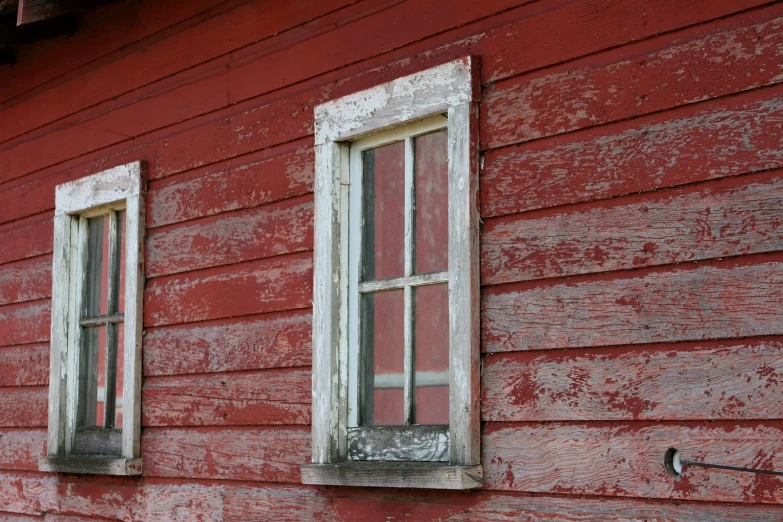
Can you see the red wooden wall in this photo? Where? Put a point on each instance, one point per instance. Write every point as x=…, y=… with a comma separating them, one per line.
x=632, y=206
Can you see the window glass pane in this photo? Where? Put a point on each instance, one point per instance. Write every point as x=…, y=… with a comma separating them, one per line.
x=92, y=377
x=383, y=247
x=383, y=353
x=96, y=298
x=119, y=378
x=432, y=354
x=121, y=239
x=432, y=202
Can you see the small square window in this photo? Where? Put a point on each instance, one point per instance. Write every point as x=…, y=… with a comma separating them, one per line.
x=396, y=291
x=98, y=280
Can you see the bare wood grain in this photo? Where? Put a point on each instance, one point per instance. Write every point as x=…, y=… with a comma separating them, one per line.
x=716, y=139
x=730, y=56
x=21, y=448
x=724, y=300
x=24, y=323
x=626, y=459
x=169, y=499
x=725, y=380
x=432, y=475
x=250, y=343
x=26, y=238
x=23, y=406
x=91, y=465
x=276, y=229
x=26, y=365
x=240, y=398
x=279, y=173
x=256, y=454
x=718, y=219
x=269, y=285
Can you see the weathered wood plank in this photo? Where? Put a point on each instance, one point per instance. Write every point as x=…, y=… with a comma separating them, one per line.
x=262, y=454
x=712, y=140
x=430, y=475
x=730, y=56
x=283, y=172
x=627, y=459
x=718, y=219
x=550, y=37
x=83, y=93
x=91, y=465
x=129, y=25
x=27, y=280
x=271, y=230
x=167, y=499
x=240, y=398
x=270, y=285
x=192, y=43
x=31, y=11
x=20, y=448
x=28, y=493
x=248, y=133
x=725, y=380
x=267, y=341
x=724, y=300
x=26, y=238
x=23, y=406
x=26, y=365
x=289, y=503
x=24, y=323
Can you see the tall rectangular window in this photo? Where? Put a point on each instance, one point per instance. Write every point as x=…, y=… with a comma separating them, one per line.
x=98, y=281
x=396, y=288
x=398, y=273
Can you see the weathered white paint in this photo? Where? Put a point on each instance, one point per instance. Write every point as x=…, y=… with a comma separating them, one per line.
x=120, y=187
x=396, y=102
x=134, y=300
x=107, y=187
x=464, y=286
x=451, y=88
x=432, y=475
x=329, y=281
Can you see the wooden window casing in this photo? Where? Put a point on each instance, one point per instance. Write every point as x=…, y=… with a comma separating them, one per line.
x=409, y=455
x=75, y=444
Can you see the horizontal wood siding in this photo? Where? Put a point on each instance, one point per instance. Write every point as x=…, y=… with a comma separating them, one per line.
x=631, y=194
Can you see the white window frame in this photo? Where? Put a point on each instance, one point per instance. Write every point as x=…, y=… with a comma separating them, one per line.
x=452, y=89
x=118, y=188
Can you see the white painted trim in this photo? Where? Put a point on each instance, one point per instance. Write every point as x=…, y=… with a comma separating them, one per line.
x=106, y=187
x=133, y=329
x=365, y=120
x=116, y=188
x=399, y=101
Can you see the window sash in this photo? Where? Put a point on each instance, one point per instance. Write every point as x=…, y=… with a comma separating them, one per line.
x=110, y=320
x=357, y=383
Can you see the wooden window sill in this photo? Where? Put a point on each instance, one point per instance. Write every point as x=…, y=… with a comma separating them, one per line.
x=432, y=475
x=96, y=465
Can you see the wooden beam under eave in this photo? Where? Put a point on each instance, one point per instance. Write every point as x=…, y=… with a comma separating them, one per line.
x=31, y=11
x=11, y=34
x=8, y=7
x=7, y=55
